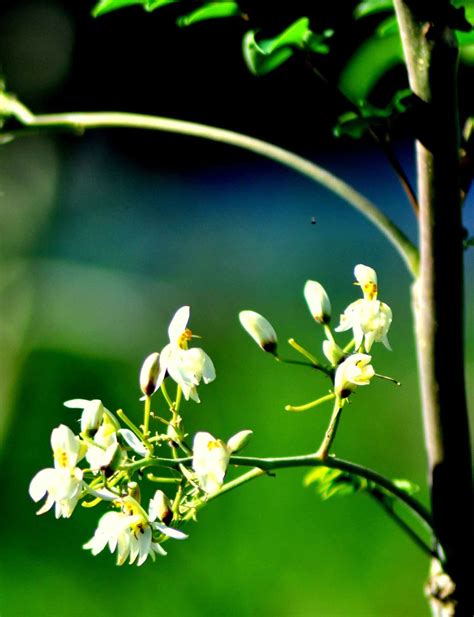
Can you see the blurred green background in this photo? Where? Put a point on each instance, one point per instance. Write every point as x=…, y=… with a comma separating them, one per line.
x=103, y=237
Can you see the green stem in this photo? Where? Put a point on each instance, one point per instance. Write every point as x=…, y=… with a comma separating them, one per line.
x=146, y=416
x=330, y=435
x=312, y=404
x=314, y=361
x=80, y=122
x=388, y=509
x=126, y=420
x=307, y=460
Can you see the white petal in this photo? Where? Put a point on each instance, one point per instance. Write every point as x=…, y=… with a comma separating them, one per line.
x=41, y=483
x=170, y=531
x=178, y=324
x=133, y=441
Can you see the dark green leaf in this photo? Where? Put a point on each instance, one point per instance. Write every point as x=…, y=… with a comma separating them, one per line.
x=368, y=64
x=106, y=6
x=265, y=55
x=211, y=10
x=388, y=26
x=355, y=123
x=370, y=7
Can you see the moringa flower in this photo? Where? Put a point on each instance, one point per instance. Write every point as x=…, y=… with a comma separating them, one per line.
x=130, y=533
x=260, y=329
x=318, y=301
x=369, y=318
x=63, y=483
x=356, y=370
x=210, y=459
x=187, y=367
x=370, y=322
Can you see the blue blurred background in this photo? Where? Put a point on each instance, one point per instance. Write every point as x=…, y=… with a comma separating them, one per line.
x=105, y=236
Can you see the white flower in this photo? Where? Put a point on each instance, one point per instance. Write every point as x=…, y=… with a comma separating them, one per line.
x=63, y=483
x=62, y=486
x=370, y=321
x=130, y=534
x=318, y=301
x=149, y=374
x=210, y=459
x=187, y=367
x=260, y=329
x=92, y=413
x=356, y=370
x=104, y=447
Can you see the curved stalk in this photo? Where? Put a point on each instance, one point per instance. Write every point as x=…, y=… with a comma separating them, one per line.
x=307, y=460
x=80, y=122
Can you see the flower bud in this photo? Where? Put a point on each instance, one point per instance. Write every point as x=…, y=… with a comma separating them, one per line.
x=149, y=374
x=318, y=301
x=333, y=352
x=260, y=329
x=238, y=441
x=133, y=490
x=160, y=508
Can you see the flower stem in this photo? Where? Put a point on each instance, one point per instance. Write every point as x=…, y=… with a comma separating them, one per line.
x=304, y=352
x=310, y=405
x=306, y=460
x=146, y=416
x=330, y=435
x=126, y=420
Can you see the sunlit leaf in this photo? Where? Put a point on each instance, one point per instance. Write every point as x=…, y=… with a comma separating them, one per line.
x=388, y=26
x=355, y=123
x=106, y=6
x=368, y=64
x=370, y=7
x=211, y=10
x=410, y=488
x=265, y=55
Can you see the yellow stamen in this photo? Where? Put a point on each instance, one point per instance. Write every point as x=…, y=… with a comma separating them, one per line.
x=184, y=338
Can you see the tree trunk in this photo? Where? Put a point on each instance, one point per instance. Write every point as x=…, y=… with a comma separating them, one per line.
x=431, y=56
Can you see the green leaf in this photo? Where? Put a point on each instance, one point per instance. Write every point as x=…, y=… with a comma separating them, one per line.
x=387, y=27
x=333, y=482
x=107, y=6
x=410, y=488
x=368, y=64
x=265, y=55
x=355, y=123
x=211, y=10
x=370, y=7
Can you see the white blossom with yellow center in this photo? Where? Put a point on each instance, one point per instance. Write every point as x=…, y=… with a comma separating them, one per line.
x=210, y=460
x=356, y=370
x=62, y=484
x=187, y=367
x=130, y=534
x=369, y=318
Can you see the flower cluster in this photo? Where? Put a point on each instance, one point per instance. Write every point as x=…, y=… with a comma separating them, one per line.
x=349, y=366
x=114, y=454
